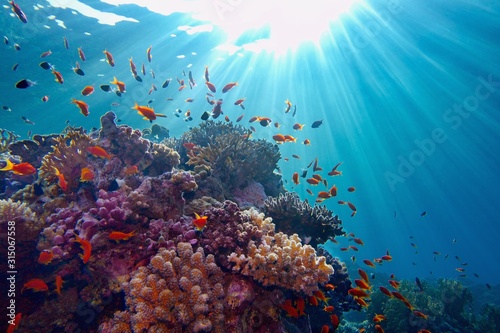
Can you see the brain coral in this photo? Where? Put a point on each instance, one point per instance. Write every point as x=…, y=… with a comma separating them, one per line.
x=179, y=291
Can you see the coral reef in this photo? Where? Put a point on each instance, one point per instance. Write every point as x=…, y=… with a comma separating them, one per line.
x=281, y=260
x=180, y=291
x=290, y=214
x=27, y=224
x=156, y=133
x=32, y=151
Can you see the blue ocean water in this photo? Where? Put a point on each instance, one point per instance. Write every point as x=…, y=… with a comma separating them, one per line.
x=408, y=93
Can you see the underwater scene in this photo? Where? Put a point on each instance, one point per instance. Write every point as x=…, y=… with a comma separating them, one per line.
x=250, y=166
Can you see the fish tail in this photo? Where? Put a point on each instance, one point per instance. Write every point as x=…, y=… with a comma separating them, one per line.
x=9, y=165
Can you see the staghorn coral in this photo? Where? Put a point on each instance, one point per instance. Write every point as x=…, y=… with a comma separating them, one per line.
x=69, y=156
x=179, y=291
x=291, y=215
x=281, y=260
x=6, y=139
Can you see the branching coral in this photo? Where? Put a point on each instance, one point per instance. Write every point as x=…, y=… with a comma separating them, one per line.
x=179, y=291
x=281, y=260
x=6, y=138
x=291, y=215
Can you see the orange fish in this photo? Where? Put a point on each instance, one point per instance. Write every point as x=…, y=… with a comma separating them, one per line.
x=279, y=138
x=312, y=300
x=35, y=285
x=395, y=284
x=87, y=248
x=148, y=53
x=59, y=78
x=288, y=106
x=81, y=54
x=361, y=302
x=45, y=257
x=298, y=127
x=363, y=274
x=423, y=330
x=200, y=222
x=87, y=90
x=385, y=291
x=17, y=318
x=59, y=283
x=325, y=329
x=147, y=112
x=239, y=101
x=378, y=318
x=86, y=175
x=398, y=295
x=333, y=191
x=23, y=169
x=354, y=248
x=420, y=314
x=290, y=310
x=63, y=184
x=335, y=321
x=133, y=68
x=84, y=108
x=324, y=195
x=386, y=257
x=295, y=178
x=131, y=170
x=109, y=58
x=98, y=152
x=351, y=189
x=119, y=84
x=334, y=171
x=300, y=306
x=329, y=286
x=312, y=181
x=320, y=296
x=369, y=263
x=119, y=236
x=358, y=241
x=328, y=308
x=228, y=86
x=289, y=138
x=379, y=329
x=307, y=142
x=362, y=284
x=211, y=86
x=45, y=54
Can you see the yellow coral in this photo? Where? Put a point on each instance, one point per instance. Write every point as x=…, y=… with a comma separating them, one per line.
x=281, y=260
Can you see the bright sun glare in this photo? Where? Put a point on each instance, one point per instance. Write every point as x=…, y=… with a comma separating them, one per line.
x=290, y=22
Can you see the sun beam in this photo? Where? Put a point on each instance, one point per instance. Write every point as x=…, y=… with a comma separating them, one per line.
x=289, y=23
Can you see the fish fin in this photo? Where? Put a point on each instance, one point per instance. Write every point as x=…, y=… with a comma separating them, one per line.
x=9, y=165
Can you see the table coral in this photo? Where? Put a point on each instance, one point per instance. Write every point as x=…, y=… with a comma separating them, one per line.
x=281, y=260
x=179, y=291
x=291, y=215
